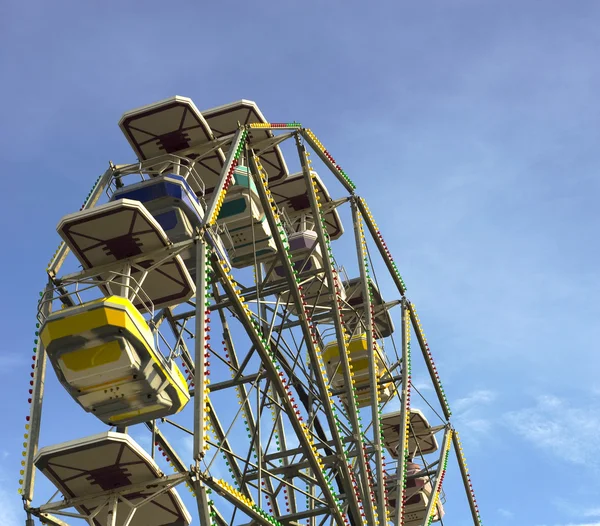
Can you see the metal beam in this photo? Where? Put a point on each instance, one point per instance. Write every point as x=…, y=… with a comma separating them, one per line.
x=339, y=330
x=439, y=475
x=383, y=250
x=268, y=359
x=279, y=235
x=328, y=161
x=37, y=399
x=157, y=484
x=373, y=372
x=428, y=361
x=464, y=473
x=404, y=416
x=212, y=210
x=200, y=350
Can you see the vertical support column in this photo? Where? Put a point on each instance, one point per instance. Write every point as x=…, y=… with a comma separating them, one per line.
x=371, y=343
x=200, y=350
x=259, y=459
x=37, y=398
x=200, y=388
x=111, y=518
x=272, y=366
x=439, y=475
x=464, y=473
x=124, y=282
x=308, y=329
x=404, y=416
x=246, y=409
x=368, y=513
x=203, y=503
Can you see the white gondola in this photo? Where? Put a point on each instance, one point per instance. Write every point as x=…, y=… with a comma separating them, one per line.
x=419, y=492
x=421, y=438
x=112, y=462
x=307, y=260
x=125, y=229
x=249, y=236
x=103, y=355
x=225, y=120
x=354, y=310
x=173, y=126
x=291, y=196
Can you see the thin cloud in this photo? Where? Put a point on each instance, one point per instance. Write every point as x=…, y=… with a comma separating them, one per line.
x=556, y=426
x=474, y=399
x=505, y=513
x=467, y=413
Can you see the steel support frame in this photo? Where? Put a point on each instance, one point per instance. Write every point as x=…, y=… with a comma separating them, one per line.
x=200, y=350
x=361, y=256
x=404, y=408
x=465, y=478
x=437, y=487
x=61, y=254
x=275, y=401
x=380, y=246
x=306, y=136
x=37, y=398
x=308, y=338
x=214, y=420
x=211, y=209
x=339, y=331
x=273, y=374
x=162, y=484
x=246, y=407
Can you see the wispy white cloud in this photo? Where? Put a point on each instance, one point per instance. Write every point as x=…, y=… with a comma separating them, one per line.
x=505, y=513
x=561, y=428
x=468, y=414
x=474, y=399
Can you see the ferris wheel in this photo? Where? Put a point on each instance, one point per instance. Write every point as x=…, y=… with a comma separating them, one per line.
x=221, y=300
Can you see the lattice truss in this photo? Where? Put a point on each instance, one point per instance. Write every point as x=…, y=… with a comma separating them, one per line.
x=243, y=332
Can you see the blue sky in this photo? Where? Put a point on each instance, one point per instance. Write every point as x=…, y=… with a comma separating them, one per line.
x=470, y=127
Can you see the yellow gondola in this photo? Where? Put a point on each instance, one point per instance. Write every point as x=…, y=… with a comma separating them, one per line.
x=359, y=355
x=104, y=356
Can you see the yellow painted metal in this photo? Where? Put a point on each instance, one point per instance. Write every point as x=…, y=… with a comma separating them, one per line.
x=131, y=414
x=115, y=312
x=83, y=359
